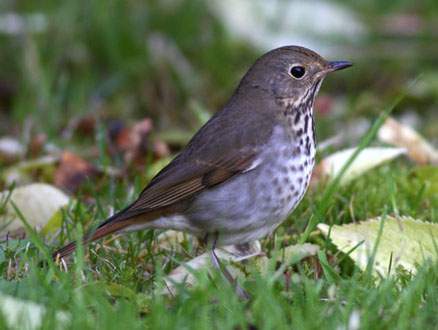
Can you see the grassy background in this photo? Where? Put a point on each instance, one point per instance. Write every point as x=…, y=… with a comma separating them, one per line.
x=103, y=59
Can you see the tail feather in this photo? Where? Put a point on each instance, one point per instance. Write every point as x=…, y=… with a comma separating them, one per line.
x=111, y=225
x=115, y=223
x=103, y=230
x=64, y=251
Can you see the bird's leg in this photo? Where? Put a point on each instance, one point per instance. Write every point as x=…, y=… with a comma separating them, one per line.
x=241, y=292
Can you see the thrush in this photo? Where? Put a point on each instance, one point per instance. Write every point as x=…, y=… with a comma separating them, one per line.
x=247, y=168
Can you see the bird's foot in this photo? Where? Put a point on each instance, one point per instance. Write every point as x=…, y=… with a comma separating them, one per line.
x=241, y=292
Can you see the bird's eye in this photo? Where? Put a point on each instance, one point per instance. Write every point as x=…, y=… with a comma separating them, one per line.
x=297, y=71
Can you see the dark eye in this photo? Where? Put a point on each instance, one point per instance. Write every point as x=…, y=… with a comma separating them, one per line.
x=297, y=71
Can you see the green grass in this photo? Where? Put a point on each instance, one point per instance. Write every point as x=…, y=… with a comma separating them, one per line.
x=117, y=285
x=95, y=59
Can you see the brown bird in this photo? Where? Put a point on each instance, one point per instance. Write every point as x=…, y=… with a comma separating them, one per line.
x=247, y=168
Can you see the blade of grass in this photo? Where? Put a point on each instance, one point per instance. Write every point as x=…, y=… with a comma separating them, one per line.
x=79, y=252
x=330, y=274
x=34, y=237
x=3, y=204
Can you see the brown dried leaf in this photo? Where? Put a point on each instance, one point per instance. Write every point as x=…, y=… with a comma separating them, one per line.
x=419, y=150
x=133, y=142
x=86, y=125
x=36, y=144
x=73, y=171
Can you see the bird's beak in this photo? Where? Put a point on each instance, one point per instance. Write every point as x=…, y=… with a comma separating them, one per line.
x=338, y=65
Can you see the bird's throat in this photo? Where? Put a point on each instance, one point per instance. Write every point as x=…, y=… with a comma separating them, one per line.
x=298, y=119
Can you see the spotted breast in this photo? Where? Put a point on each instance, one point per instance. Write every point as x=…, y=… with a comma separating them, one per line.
x=257, y=202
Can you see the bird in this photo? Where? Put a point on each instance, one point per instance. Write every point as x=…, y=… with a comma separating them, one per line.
x=248, y=166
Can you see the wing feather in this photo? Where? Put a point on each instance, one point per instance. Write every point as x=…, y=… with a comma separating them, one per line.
x=183, y=186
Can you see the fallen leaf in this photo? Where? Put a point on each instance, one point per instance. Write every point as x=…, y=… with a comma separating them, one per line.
x=132, y=141
x=37, y=202
x=368, y=158
x=21, y=173
x=73, y=171
x=86, y=125
x=290, y=255
x=406, y=240
x=23, y=314
x=418, y=149
x=37, y=144
x=11, y=149
x=83, y=126
x=186, y=273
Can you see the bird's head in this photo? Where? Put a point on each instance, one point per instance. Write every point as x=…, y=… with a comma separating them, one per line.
x=291, y=73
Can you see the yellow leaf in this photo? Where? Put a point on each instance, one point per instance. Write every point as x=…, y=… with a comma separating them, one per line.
x=37, y=202
x=406, y=240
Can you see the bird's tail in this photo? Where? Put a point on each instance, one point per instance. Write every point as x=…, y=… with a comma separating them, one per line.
x=113, y=224
x=107, y=229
